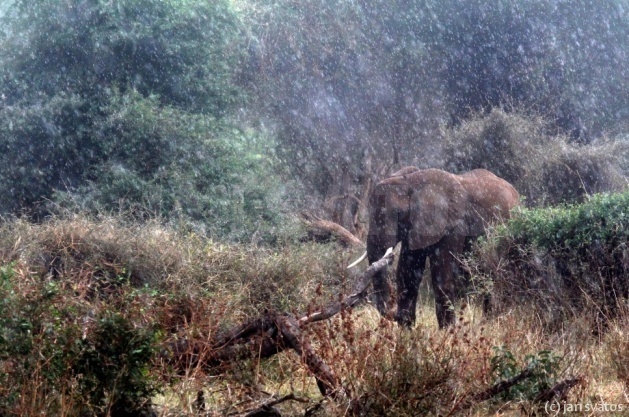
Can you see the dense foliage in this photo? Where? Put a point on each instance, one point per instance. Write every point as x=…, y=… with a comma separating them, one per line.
x=563, y=260
x=561, y=59
x=124, y=108
x=178, y=50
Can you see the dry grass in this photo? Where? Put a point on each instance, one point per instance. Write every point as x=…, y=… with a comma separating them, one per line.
x=192, y=288
x=546, y=169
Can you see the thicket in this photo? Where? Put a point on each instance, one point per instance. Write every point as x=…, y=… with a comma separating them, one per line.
x=545, y=168
x=126, y=108
x=561, y=261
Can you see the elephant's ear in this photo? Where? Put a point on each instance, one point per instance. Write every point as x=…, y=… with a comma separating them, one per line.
x=386, y=203
x=437, y=207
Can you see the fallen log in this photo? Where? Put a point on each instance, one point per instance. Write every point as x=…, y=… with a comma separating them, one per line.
x=273, y=333
x=490, y=392
x=559, y=390
x=335, y=229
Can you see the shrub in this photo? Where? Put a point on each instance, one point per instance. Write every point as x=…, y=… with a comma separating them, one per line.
x=561, y=261
x=544, y=168
x=544, y=366
x=64, y=356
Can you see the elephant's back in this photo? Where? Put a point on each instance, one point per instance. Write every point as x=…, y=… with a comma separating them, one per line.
x=493, y=193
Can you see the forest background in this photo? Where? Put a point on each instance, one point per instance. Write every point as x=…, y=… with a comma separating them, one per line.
x=230, y=117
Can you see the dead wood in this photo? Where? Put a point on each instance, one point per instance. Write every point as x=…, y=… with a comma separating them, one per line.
x=559, y=390
x=272, y=333
x=327, y=382
x=341, y=233
x=491, y=391
x=267, y=409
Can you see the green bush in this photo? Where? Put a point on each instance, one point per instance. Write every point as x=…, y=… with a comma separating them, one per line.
x=564, y=260
x=60, y=353
x=544, y=366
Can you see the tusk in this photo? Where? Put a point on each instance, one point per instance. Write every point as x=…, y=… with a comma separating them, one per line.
x=357, y=261
x=364, y=255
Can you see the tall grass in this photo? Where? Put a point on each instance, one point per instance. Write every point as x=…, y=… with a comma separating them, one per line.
x=91, y=308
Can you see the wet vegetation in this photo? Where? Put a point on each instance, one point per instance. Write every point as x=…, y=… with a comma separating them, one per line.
x=158, y=158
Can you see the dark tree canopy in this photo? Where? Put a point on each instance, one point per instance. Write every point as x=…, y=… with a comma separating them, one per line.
x=561, y=59
x=178, y=50
x=100, y=97
x=123, y=105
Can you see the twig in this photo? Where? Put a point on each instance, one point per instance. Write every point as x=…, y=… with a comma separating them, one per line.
x=267, y=408
x=492, y=391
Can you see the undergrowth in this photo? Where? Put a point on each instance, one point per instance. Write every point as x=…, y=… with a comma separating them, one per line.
x=561, y=260
x=90, y=310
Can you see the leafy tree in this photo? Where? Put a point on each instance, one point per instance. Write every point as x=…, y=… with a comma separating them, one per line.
x=564, y=60
x=125, y=105
x=177, y=49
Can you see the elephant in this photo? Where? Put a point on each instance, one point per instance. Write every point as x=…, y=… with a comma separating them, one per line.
x=435, y=215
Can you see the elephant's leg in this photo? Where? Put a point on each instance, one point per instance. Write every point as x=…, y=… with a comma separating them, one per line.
x=381, y=292
x=380, y=286
x=409, y=275
x=443, y=265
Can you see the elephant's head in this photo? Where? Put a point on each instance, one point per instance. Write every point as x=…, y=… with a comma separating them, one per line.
x=417, y=207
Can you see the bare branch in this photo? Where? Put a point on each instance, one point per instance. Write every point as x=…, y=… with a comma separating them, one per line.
x=335, y=229
x=358, y=294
